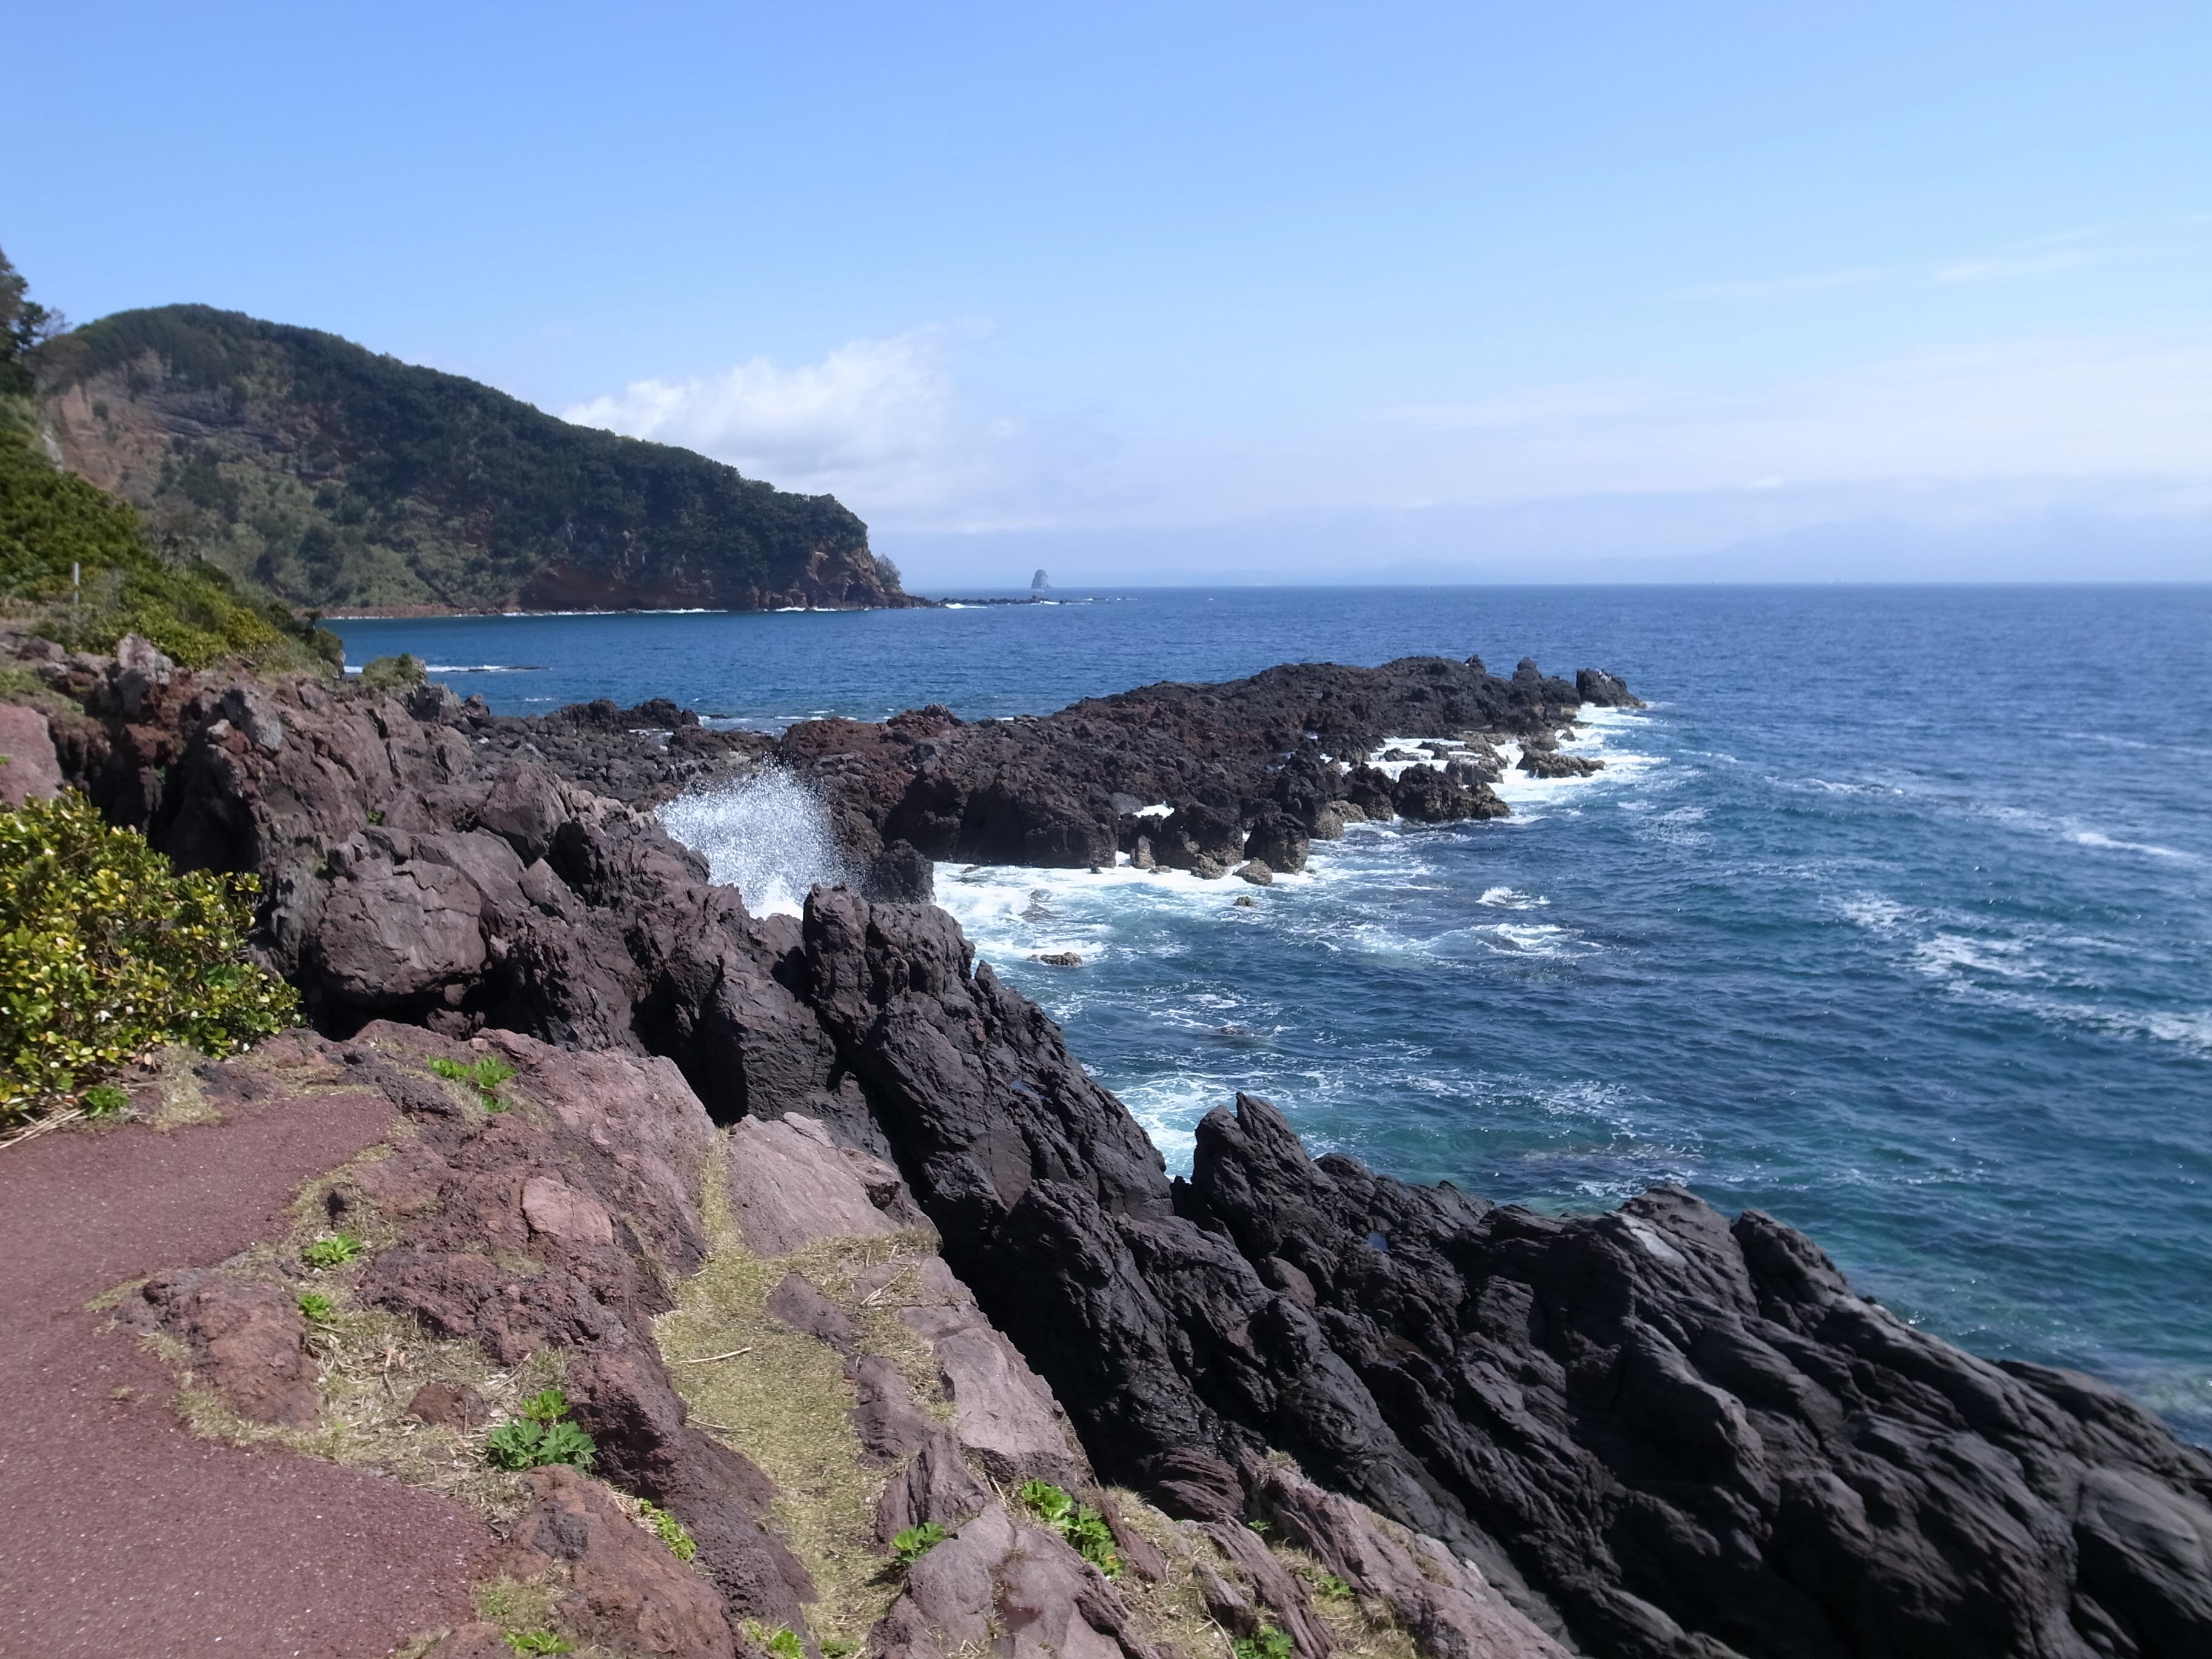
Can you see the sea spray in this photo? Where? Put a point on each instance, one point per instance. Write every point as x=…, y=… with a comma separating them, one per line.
x=766, y=835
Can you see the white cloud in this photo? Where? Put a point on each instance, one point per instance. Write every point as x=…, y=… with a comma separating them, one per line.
x=875, y=419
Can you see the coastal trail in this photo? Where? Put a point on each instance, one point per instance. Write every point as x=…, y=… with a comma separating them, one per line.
x=127, y=1533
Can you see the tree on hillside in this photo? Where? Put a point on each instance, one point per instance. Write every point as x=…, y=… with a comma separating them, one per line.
x=24, y=322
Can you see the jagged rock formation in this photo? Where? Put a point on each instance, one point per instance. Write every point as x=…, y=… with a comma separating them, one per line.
x=1654, y=1433
x=338, y=478
x=1254, y=768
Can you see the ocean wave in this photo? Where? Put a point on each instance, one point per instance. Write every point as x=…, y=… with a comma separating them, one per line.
x=766, y=835
x=484, y=668
x=1509, y=898
x=2099, y=838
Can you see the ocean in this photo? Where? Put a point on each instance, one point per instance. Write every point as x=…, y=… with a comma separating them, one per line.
x=1892, y=916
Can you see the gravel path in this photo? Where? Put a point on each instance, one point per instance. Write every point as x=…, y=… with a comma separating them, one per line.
x=125, y=1533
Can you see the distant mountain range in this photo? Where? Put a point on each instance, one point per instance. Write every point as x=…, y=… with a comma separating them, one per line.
x=345, y=481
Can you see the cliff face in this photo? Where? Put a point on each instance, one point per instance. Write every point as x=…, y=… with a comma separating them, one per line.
x=1655, y=1434
x=344, y=480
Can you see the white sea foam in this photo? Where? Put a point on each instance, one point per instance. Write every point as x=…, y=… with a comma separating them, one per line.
x=1510, y=898
x=2099, y=838
x=766, y=835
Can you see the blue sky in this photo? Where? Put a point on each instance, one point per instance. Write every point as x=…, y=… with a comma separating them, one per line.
x=1223, y=290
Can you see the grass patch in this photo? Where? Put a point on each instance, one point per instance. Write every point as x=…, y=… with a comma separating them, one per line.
x=484, y=1075
x=783, y=1401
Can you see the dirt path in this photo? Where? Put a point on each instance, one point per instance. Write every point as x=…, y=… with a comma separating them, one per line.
x=125, y=1534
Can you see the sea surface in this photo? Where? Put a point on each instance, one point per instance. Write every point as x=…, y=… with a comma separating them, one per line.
x=1892, y=916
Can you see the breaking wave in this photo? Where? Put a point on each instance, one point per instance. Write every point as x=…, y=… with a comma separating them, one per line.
x=766, y=835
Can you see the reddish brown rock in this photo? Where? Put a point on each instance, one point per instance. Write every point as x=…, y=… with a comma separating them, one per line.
x=248, y=1342
x=625, y=1588
x=32, y=771
x=450, y=1405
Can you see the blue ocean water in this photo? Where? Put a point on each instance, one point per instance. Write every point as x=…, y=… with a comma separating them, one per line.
x=1892, y=916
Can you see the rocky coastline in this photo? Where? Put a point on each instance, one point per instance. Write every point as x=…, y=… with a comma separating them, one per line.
x=1310, y=1405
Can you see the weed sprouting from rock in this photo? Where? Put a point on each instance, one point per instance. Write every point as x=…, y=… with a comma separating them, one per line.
x=331, y=1250
x=912, y=1543
x=484, y=1076
x=1083, y=1527
x=541, y=1436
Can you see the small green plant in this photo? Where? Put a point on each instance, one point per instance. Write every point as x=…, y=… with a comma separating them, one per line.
x=546, y=1406
x=1269, y=1643
x=375, y=815
x=1330, y=1588
x=1259, y=1527
x=539, y=1641
x=1084, y=1530
x=781, y=1643
x=484, y=1076
x=105, y=1100
x=839, y=1647
x=316, y=1307
x=542, y=1435
x=667, y=1527
x=331, y=1250
x=912, y=1543
x=106, y=953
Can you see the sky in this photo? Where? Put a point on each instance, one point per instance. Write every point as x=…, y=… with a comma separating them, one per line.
x=1227, y=292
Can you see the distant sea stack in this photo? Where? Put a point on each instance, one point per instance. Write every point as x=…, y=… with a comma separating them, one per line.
x=346, y=480
x=1039, y=583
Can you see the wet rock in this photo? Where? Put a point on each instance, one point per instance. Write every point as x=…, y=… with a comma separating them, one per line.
x=1551, y=763
x=1244, y=901
x=1060, y=959
x=1280, y=842
x=902, y=875
x=1594, y=685
x=1140, y=855
x=1256, y=871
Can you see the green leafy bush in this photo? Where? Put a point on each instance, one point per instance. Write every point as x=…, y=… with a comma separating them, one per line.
x=333, y=1250
x=105, y=1100
x=539, y=1641
x=1331, y=1587
x=1269, y=1643
x=106, y=953
x=912, y=1543
x=540, y=1436
x=401, y=674
x=781, y=1643
x=484, y=1076
x=1083, y=1527
x=316, y=1307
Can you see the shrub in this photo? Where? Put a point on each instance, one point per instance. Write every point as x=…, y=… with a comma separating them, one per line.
x=106, y=953
x=543, y=1435
x=1084, y=1530
x=1331, y=1587
x=912, y=1543
x=1269, y=1643
x=333, y=1250
x=539, y=1641
x=401, y=674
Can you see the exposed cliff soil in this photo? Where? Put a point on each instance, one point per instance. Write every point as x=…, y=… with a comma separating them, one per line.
x=1652, y=1433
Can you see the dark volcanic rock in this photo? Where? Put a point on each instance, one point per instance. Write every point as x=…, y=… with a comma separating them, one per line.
x=1694, y=1438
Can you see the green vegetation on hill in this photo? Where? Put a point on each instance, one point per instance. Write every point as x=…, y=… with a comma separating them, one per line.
x=56, y=527
x=336, y=477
